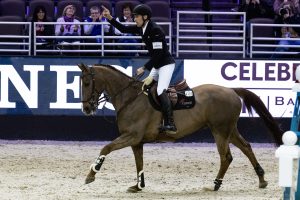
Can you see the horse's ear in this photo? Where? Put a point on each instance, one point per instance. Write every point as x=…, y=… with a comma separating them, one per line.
x=82, y=66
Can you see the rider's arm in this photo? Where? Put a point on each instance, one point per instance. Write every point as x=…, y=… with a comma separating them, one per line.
x=124, y=29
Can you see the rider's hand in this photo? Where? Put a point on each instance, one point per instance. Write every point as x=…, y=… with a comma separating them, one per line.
x=140, y=71
x=106, y=13
x=147, y=81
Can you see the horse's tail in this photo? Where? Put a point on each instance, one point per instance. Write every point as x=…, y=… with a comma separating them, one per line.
x=251, y=100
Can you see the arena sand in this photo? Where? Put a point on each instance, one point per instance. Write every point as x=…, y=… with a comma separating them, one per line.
x=43, y=170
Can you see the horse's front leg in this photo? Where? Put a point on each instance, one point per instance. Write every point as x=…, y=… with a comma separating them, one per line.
x=138, y=155
x=119, y=143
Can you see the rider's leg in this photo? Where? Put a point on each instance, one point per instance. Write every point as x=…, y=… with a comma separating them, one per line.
x=164, y=79
x=169, y=125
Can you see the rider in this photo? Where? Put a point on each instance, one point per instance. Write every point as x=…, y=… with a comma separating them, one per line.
x=161, y=64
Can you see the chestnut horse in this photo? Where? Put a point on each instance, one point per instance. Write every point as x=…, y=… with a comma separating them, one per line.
x=217, y=108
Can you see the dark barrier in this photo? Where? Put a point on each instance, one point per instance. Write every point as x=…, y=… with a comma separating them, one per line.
x=99, y=128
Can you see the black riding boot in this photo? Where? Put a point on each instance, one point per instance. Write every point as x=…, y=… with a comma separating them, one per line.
x=169, y=125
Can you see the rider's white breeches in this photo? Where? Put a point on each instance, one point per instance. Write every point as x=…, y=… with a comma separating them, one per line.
x=163, y=76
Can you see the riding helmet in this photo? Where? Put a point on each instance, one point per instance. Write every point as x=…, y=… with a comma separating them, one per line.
x=142, y=9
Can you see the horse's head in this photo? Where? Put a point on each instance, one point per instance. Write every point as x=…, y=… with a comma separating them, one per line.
x=90, y=92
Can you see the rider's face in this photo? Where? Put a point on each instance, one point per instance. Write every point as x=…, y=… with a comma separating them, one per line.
x=139, y=20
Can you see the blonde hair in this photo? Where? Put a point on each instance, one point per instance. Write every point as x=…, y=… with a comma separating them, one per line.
x=67, y=7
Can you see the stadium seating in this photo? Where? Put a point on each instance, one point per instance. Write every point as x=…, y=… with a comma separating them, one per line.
x=119, y=4
x=160, y=9
x=13, y=8
x=14, y=29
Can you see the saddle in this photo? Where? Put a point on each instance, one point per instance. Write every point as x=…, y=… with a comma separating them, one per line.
x=180, y=94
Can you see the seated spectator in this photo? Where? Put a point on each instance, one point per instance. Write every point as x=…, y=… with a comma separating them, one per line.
x=127, y=17
x=287, y=15
x=256, y=9
x=40, y=15
x=278, y=4
x=72, y=28
x=93, y=29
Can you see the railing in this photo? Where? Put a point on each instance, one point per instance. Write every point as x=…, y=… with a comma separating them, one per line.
x=108, y=43
x=200, y=32
x=267, y=45
x=195, y=36
x=18, y=41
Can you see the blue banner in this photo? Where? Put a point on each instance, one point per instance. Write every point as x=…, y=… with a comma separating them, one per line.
x=51, y=86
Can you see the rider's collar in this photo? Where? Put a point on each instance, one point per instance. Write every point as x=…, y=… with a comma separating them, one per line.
x=144, y=28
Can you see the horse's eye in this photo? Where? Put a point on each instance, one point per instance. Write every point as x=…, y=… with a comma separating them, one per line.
x=86, y=82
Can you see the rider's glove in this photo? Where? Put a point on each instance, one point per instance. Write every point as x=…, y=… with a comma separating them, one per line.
x=147, y=81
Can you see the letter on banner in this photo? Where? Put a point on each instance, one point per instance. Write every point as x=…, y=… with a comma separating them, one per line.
x=63, y=86
x=30, y=96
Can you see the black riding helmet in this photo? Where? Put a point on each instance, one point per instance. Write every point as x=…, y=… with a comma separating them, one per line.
x=142, y=9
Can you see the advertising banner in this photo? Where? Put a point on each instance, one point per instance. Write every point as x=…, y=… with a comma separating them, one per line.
x=270, y=80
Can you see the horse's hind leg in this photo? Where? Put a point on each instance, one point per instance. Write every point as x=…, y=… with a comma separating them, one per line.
x=123, y=141
x=225, y=158
x=245, y=147
x=138, y=155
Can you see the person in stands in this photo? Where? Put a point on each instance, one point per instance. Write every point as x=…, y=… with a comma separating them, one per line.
x=94, y=29
x=40, y=15
x=71, y=28
x=126, y=17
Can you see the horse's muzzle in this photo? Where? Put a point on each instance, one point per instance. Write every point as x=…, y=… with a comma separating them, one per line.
x=89, y=110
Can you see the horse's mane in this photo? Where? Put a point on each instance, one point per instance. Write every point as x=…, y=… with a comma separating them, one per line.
x=114, y=69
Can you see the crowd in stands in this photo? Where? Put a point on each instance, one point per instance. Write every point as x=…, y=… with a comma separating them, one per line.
x=75, y=11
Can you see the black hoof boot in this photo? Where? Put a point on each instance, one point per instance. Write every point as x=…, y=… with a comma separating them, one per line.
x=218, y=183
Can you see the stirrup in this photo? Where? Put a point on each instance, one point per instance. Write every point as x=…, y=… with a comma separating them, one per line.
x=170, y=130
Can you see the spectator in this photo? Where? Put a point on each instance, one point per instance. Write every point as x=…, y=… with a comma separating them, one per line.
x=278, y=4
x=256, y=9
x=127, y=17
x=72, y=28
x=287, y=15
x=94, y=30
x=40, y=15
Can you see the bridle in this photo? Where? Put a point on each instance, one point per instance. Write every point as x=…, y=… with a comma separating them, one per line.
x=94, y=102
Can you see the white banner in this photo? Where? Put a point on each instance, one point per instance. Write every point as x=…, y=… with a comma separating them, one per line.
x=271, y=80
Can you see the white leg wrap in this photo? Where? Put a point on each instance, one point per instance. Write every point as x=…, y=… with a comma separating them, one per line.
x=98, y=162
x=93, y=167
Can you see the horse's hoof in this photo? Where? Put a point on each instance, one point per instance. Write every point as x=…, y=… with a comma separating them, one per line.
x=89, y=179
x=263, y=184
x=133, y=189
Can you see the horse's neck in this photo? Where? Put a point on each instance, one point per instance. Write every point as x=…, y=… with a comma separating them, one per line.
x=119, y=88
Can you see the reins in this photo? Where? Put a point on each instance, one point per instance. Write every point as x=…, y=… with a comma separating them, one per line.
x=106, y=98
